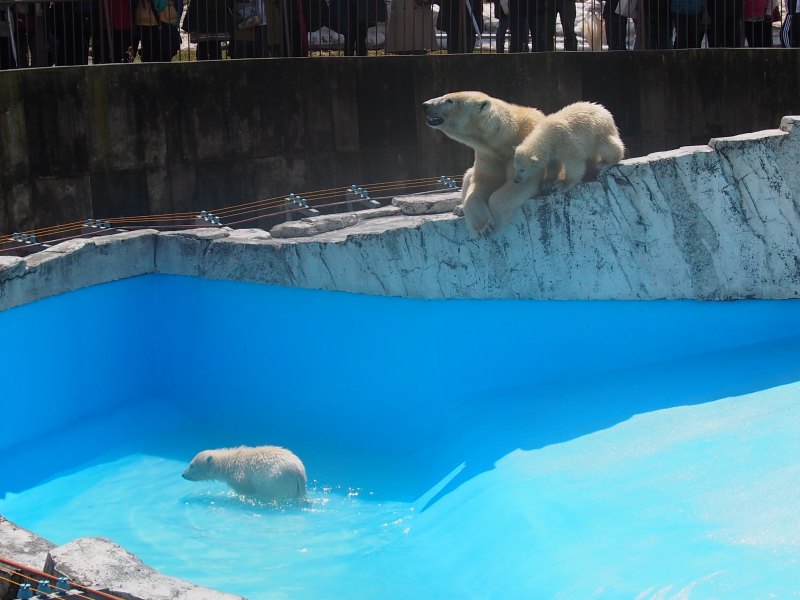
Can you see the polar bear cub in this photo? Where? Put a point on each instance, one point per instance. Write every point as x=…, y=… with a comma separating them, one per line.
x=492, y=128
x=564, y=145
x=265, y=472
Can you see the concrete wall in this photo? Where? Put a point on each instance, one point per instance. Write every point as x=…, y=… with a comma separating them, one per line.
x=712, y=222
x=117, y=140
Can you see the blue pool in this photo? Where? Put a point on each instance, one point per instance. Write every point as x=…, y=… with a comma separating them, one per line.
x=455, y=449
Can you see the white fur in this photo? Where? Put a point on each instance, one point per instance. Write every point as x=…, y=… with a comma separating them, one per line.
x=492, y=128
x=263, y=472
x=564, y=145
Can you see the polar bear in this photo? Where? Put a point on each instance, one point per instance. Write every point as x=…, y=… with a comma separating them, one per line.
x=578, y=138
x=492, y=128
x=265, y=472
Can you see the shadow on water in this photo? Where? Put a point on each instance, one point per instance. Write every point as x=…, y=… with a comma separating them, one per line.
x=558, y=412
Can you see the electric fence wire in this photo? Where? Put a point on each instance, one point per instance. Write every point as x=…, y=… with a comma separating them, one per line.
x=260, y=209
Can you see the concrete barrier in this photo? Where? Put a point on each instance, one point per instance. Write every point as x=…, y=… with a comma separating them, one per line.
x=120, y=140
x=713, y=222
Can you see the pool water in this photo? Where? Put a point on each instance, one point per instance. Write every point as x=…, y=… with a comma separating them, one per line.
x=458, y=449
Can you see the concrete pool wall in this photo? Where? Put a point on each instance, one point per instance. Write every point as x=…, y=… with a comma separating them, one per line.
x=713, y=222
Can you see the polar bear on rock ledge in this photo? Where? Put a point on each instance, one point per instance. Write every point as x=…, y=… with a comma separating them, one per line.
x=268, y=473
x=580, y=138
x=492, y=128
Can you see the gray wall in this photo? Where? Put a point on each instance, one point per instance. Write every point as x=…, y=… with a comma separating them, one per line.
x=117, y=140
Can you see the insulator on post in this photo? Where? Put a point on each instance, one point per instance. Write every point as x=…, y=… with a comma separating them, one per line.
x=88, y=222
x=43, y=586
x=24, y=592
x=62, y=583
x=15, y=236
x=448, y=182
x=25, y=238
x=33, y=239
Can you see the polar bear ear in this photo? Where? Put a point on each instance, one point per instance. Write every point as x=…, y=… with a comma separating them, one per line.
x=484, y=105
x=209, y=460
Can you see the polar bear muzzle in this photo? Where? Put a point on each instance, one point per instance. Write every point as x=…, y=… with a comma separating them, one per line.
x=432, y=118
x=198, y=468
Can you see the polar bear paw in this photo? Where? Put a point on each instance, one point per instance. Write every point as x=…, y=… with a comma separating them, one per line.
x=478, y=217
x=480, y=225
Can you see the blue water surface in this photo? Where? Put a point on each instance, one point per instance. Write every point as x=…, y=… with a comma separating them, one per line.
x=456, y=449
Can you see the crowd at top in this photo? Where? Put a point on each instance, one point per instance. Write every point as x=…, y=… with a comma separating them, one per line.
x=79, y=32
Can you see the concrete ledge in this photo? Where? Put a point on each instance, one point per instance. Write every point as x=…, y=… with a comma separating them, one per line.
x=11, y=267
x=747, y=139
x=313, y=225
x=80, y=263
x=712, y=222
x=103, y=565
x=375, y=213
x=181, y=252
x=430, y=204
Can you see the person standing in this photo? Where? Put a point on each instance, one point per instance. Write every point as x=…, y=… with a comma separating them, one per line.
x=157, y=29
x=459, y=19
x=209, y=22
x=410, y=28
x=687, y=15
x=567, y=14
x=72, y=24
x=725, y=27
x=655, y=25
x=501, y=12
x=790, y=30
x=538, y=16
x=616, y=26
x=758, y=17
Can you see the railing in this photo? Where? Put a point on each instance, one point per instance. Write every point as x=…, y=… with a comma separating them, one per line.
x=60, y=32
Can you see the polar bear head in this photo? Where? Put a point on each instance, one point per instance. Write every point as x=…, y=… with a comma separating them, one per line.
x=526, y=166
x=459, y=115
x=201, y=468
